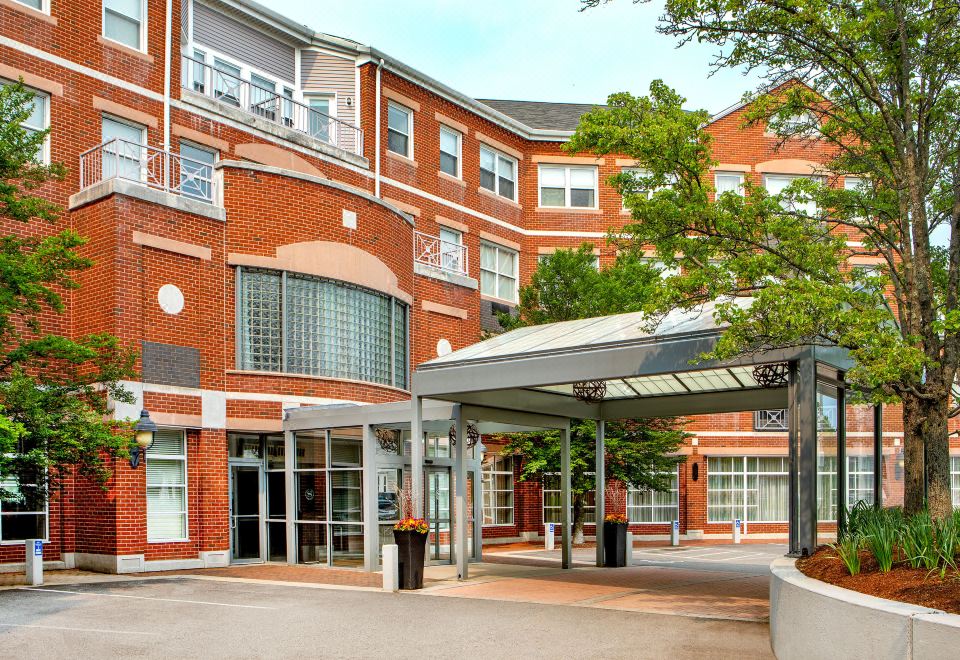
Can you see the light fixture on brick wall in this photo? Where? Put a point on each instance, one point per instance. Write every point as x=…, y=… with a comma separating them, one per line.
x=144, y=432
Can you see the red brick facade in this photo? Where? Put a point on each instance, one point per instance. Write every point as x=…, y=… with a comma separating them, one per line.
x=283, y=206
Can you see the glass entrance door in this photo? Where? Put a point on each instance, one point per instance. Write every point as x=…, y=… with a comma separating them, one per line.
x=246, y=522
x=437, y=497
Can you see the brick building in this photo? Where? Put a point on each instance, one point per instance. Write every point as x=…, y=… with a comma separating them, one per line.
x=281, y=218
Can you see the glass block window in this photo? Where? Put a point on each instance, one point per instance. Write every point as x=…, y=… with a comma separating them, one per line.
x=302, y=324
x=167, y=486
x=497, y=474
x=652, y=506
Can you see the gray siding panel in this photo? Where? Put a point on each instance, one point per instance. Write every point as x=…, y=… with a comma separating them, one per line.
x=320, y=72
x=244, y=43
x=488, y=317
x=167, y=364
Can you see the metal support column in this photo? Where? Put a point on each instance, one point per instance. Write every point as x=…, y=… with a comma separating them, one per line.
x=478, y=507
x=843, y=486
x=566, y=560
x=803, y=457
x=460, y=496
x=601, y=482
x=878, y=456
x=371, y=533
x=290, y=492
x=416, y=456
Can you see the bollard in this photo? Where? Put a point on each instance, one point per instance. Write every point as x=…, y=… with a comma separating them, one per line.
x=629, y=555
x=736, y=530
x=675, y=533
x=34, y=552
x=548, y=536
x=391, y=567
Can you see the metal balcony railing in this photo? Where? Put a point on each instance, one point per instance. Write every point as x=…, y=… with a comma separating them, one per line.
x=280, y=109
x=156, y=168
x=437, y=253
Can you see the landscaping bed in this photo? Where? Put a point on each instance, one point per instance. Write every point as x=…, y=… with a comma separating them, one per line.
x=902, y=583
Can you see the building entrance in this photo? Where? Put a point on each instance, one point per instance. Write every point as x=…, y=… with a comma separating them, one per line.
x=437, y=491
x=246, y=513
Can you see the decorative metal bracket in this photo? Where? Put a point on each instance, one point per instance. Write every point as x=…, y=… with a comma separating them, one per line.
x=473, y=435
x=389, y=440
x=772, y=375
x=590, y=391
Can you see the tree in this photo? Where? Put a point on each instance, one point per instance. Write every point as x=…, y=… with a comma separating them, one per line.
x=53, y=389
x=640, y=453
x=567, y=285
x=880, y=89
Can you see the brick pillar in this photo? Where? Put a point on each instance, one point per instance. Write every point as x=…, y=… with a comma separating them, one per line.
x=210, y=473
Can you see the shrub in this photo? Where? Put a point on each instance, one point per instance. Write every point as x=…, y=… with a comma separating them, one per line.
x=848, y=549
x=917, y=541
x=881, y=535
x=946, y=540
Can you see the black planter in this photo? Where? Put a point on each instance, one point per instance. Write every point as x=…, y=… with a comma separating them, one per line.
x=412, y=547
x=614, y=544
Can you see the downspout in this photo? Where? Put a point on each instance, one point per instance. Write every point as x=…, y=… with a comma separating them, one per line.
x=376, y=155
x=167, y=47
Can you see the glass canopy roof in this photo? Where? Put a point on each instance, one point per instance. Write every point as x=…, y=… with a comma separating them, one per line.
x=710, y=380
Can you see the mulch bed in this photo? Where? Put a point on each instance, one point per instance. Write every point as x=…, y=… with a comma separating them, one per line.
x=902, y=583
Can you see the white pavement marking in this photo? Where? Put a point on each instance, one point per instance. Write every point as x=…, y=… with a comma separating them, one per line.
x=166, y=600
x=85, y=630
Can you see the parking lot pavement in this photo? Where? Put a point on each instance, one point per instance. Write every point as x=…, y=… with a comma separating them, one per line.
x=185, y=617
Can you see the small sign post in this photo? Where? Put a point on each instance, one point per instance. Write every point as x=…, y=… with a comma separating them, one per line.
x=548, y=536
x=675, y=533
x=736, y=530
x=34, y=561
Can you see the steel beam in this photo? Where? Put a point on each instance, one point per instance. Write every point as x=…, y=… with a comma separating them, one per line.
x=566, y=560
x=601, y=480
x=803, y=436
x=460, y=495
x=416, y=455
x=371, y=531
x=878, y=456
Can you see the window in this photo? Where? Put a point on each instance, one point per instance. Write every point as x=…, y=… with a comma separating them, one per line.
x=859, y=479
x=498, y=173
x=310, y=325
x=663, y=269
x=35, y=4
x=777, y=183
x=321, y=113
x=451, y=249
x=263, y=97
x=227, y=82
x=543, y=257
x=23, y=510
x=400, y=130
x=651, y=506
x=450, y=151
x=167, y=487
x=728, y=182
x=497, y=474
x=123, y=156
x=196, y=171
x=635, y=189
x=551, y=502
x=570, y=187
x=770, y=420
x=198, y=75
x=751, y=488
x=123, y=22
x=498, y=272
x=955, y=480
x=39, y=120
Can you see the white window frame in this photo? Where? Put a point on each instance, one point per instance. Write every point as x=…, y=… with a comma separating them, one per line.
x=567, y=169
x=489, y=471
x=451, y=259
x=144, y=7
x=185, y=487
x=331, y=99
x=409, y=134
x=497, y=274
x=497, y=155
x=459, y=155
x=955, y=480
x=809, y=207
x=45, y=148
x=733, y=175
x=647, y=505
x=46, y=527
x=639, y=171
x=743, y=474
x=43, y=9
x=210, y=56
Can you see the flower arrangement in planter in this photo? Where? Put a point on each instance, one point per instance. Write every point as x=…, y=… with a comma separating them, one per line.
x=410, y=535
x=616, y=519
x=418, y=525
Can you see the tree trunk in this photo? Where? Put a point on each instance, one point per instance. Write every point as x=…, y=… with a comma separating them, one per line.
x=578, y=512
x=926, y=457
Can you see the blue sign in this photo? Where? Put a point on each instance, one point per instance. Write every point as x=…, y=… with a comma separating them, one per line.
x=38, y=548
x=676, y=524
x=737, y=522
x=551, y=528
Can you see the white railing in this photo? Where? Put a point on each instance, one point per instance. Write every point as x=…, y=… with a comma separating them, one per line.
x=440, y=254
x=156, y=168
x=280, y=109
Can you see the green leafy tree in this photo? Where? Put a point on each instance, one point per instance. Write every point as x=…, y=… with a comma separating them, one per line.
x=53, y=389
x=640, y=453
x=881, y=91
x=567, y=285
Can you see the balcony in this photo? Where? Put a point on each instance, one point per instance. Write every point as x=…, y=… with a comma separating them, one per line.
x=232, y=92
x=434, y=252
x=148, y=166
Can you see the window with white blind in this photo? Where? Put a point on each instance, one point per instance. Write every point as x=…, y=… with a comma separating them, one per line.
x=751, y=488
x=654, y=506
x=955, y=480
x=497, y=472
x=498, y=271
x=124, y=21
x=123, y=153
x=777, y=183
x=400, y=129
x=450, y=151
x=38, y=120
x=728, y=182
x=551, y=501
x=568, y=186
x=167, y=487
x=301, y=324
x=498, y=173
x=23, y=510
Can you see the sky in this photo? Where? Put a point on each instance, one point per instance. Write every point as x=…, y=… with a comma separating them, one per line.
x=534, y=50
